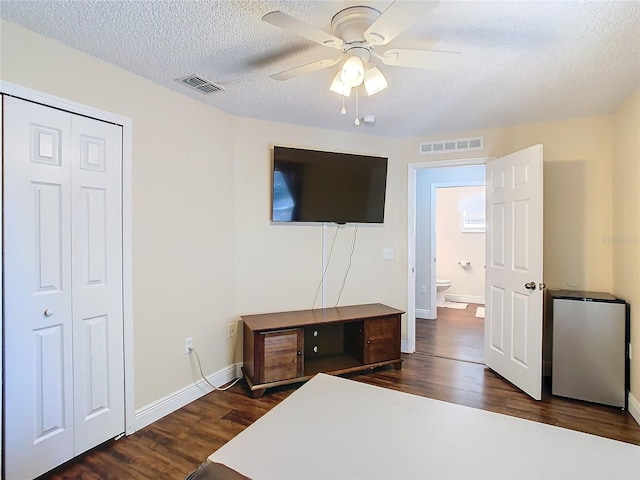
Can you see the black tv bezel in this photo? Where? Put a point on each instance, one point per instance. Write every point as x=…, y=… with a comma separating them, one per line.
x=332, y=153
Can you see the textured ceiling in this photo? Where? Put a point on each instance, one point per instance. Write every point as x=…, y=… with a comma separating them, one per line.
x=521, y=62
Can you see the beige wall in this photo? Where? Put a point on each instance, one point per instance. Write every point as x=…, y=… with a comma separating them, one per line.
x=279, y=267
x=578, y=159
x=204, y=251
x=455, y=247
x=626, y=220
x=183, y=219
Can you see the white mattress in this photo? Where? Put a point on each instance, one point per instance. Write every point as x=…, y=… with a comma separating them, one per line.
x=333, y=428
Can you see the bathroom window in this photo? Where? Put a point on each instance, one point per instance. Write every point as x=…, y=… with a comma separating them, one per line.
x=473, y=213
x=471, y=224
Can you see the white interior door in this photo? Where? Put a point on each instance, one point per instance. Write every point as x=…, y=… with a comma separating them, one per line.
x=513, y=314
x=63, y=339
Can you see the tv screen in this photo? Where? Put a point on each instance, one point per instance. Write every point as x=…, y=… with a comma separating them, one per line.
x=315, y=186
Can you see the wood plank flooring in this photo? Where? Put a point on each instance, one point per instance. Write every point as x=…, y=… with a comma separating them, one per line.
x=175, y=445
x=456, y=334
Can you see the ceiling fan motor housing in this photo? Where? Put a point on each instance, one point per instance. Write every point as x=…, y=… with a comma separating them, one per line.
x=351, y=23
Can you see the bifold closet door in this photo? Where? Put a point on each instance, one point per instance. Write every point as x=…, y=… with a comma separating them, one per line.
x=63, y=365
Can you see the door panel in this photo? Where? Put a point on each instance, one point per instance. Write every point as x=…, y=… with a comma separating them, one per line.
x=37, y=296
x=97, y=281
x=382, y=339
x=281, y=358
x=50, y=392
x=513, y=314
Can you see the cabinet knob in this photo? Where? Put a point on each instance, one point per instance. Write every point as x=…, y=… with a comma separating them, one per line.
x=299, y=353
x=48, y=312
x=368, y=342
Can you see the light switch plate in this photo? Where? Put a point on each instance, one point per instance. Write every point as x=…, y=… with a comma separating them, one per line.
x=387, y=253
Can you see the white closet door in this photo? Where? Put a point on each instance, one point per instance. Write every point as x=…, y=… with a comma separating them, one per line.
x=64, y=367
x=37, y=296
x=96, y=203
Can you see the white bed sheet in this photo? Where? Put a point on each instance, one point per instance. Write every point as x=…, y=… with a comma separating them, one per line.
x=334, y=428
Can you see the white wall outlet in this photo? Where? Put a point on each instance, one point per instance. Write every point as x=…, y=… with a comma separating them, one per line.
x=188, y=344
x=423, y=288
x=387, y=253
x=231, y=330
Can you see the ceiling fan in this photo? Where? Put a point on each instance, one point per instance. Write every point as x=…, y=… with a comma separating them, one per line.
x=358, y=32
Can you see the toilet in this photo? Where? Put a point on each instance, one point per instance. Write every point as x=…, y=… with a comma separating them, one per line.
x=441, y=286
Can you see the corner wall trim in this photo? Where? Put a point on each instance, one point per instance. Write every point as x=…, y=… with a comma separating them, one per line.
x=160, y=408
x=634, y=408
x=424, y=313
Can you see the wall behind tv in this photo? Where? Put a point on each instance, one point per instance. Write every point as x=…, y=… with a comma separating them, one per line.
x=279, y=266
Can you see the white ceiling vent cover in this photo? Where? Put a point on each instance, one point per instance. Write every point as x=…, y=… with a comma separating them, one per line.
x=198, y=83
x=453, y=145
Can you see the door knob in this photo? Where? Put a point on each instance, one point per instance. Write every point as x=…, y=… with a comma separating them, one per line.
x=530, y=286
x=48, y=312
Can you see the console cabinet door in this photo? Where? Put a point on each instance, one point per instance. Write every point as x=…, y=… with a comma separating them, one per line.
x=282, y=355
x=382, y=339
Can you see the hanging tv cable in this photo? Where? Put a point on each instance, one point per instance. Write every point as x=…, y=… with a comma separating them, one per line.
x=326, y=267
x=346, y=274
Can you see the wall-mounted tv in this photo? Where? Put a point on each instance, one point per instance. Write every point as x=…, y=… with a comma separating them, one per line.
x=315, y=186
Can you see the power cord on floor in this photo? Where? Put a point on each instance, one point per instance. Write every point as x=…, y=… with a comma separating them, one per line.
x=191, y=349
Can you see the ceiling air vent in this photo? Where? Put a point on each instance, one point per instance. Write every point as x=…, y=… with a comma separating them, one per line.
x=453, y=145
x=200, y=84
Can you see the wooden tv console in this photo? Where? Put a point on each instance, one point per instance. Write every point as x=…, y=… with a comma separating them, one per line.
x=288, y=347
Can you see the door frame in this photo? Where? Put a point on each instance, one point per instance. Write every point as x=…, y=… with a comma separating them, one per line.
x=7, y=88
x=409, y=345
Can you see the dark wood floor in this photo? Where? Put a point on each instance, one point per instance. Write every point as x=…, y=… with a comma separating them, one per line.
x=175, y=445
x=456, y=334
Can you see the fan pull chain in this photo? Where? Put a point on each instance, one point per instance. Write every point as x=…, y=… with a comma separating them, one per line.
x=357, y=122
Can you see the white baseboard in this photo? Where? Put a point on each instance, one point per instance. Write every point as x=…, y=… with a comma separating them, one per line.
x=404, y=346
x=450, y=297
x=176, y=400
x=634, y=408
x=424, y=313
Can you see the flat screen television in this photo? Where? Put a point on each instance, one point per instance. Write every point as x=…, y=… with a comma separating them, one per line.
x=316, y=186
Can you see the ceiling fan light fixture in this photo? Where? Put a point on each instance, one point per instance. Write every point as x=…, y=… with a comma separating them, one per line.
x=352, y=72
x=339, y=87
x=374, y=81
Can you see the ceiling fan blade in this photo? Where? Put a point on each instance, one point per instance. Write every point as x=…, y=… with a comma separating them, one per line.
x=396, y=19
x=304, y=69
x=292, y=24
x=428, y=59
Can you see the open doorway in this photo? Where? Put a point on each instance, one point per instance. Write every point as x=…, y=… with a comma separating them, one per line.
x=425, y=179
x=456, y=327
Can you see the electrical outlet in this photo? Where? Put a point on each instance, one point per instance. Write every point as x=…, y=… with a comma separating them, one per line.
x=423, y=288
x=188, y=344
x=231, y=330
